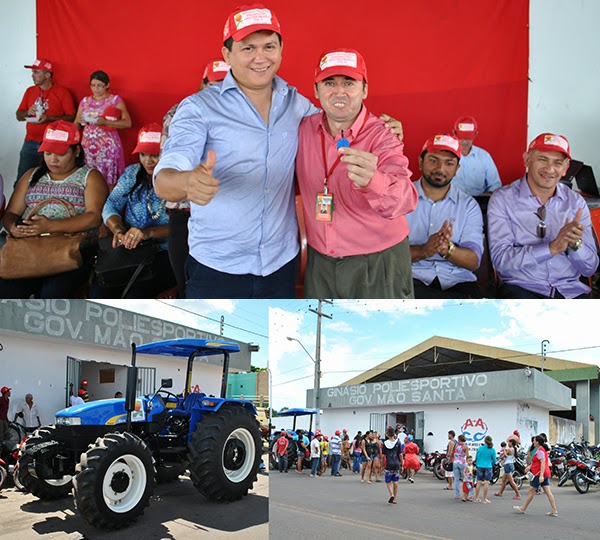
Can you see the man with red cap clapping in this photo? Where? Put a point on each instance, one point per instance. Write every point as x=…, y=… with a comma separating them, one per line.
x=446, y=229
x=540, y=231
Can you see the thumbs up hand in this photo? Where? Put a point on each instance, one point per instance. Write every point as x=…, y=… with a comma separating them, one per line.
x=201, y=185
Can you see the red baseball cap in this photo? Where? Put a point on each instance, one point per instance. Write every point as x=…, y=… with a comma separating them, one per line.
x=84, y=382
x=5, y=389
x=41, y=63
x=112, y=113
x=59, y=136
x=346, y=62
x=216, y=70
x=438, y=143
x=548, y=142
x=245, y=20
x=338, y=432
x=466, y=128
x=148, y=140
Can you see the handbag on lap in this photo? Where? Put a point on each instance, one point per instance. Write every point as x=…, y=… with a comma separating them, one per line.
x=44, y=255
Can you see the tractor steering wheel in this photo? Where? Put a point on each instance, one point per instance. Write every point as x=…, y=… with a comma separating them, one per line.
x=178, y=399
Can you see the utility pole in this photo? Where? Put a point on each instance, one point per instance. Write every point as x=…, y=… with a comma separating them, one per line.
x=317, y=384
x=222, y=324
x=545, y=344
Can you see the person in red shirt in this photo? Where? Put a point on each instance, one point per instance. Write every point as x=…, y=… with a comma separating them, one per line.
x=4, y=406
x=540, y=468
x=43, y=103
x=282, y=452
x=356, y=190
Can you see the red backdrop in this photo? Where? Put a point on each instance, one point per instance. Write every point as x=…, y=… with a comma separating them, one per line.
x=429, y=61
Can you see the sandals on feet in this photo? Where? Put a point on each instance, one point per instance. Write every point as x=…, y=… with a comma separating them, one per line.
x=497, y=495
x=518, y=509
x=391, y=500
x=553, y=514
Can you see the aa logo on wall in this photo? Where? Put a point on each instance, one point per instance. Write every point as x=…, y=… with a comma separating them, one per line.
x=474, y=430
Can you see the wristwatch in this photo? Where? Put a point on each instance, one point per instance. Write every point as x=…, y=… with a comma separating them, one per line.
x=451, y=248
x=576, y=245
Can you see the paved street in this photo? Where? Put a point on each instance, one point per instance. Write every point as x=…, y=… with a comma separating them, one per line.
x=176, y=511
x=327, y=507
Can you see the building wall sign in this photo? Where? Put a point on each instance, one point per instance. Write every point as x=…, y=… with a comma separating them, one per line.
x=427, y=390
x=91, y=323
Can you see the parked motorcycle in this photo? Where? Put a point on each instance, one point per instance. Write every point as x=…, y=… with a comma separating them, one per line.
x=586, y=475
x=433, y=463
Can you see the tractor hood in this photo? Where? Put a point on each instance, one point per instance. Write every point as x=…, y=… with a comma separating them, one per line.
x=109, y=412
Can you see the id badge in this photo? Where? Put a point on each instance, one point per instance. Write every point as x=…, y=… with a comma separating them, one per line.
x=324, y=208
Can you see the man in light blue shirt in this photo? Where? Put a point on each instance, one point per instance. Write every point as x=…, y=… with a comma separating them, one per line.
x=478, y=173
x=446, y=229
x=233, y=146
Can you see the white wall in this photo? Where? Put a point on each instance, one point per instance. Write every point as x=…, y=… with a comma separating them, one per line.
x=17, y=48
x=564, y=88
x=29, y=364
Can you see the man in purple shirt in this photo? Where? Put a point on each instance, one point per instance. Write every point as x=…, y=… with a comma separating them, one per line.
x=539, y=231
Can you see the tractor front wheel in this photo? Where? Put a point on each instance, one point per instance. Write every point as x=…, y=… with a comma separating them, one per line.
x=42, y=488
x=225, y=453
x=114, y=481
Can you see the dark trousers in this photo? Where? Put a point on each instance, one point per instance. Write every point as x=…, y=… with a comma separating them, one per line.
x=283, y=462
x=384, y=274
x=178, y=246
x=468, y=289
x=205, y=282
x=28, y=158
x=64, y=285
x=519, y=293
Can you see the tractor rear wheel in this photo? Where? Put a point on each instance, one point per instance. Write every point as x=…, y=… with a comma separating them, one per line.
x=225, y=453
x=114, y=481
x=43, y=489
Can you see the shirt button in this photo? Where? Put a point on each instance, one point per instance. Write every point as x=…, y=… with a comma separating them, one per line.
x=331, y=251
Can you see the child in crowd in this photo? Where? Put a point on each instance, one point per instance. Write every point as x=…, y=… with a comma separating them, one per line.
x=467, y=487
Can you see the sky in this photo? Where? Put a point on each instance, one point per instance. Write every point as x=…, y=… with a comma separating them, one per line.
x=245, y=320
x=365, y=333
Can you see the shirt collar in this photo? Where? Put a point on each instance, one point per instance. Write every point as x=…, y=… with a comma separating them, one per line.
x=525, y=190
x=349, y=134
x=229, y=82
x=452, y=192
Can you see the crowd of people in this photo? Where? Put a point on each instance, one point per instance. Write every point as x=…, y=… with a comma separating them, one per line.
x=396, y=456
x=220, y=200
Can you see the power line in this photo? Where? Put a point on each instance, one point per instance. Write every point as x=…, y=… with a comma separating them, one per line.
x=211, y=319
x=293, y=380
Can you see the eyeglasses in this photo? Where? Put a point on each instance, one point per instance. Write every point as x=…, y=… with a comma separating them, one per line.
x=541, y=226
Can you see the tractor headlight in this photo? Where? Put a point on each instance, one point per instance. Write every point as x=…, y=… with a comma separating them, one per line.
x=208, y=403
x=68, y=421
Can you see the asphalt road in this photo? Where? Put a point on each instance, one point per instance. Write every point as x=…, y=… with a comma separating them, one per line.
x=328, y=507
x=176, y=511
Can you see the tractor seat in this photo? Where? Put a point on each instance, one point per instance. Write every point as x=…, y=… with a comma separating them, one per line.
x=188, y=404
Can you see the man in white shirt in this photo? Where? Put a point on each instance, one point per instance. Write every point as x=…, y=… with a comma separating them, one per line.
x=78, y=399
x=28, y=411
x=478, y=173
x=315, y=453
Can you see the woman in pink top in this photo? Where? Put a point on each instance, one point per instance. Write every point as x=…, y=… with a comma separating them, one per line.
x=102, y=114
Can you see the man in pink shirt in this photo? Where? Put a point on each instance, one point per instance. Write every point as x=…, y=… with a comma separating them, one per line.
x=356, y=190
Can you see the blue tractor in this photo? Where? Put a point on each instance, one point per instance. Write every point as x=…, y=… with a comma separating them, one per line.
x=110, y=452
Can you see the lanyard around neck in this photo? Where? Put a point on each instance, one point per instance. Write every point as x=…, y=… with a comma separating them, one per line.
x=329, y=172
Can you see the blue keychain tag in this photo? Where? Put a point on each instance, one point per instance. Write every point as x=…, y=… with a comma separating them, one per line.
x=342, y=143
